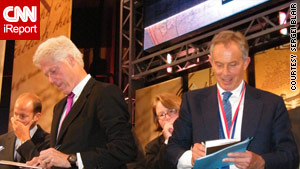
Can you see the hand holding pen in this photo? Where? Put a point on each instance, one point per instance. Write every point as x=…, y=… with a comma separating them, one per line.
x=50, y=157
x=198, y=151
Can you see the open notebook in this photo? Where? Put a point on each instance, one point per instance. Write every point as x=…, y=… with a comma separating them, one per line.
x=216, y=145
x=214, y=160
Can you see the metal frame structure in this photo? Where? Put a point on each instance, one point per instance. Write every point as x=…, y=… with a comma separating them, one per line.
x=259, y=29
x=131, y=45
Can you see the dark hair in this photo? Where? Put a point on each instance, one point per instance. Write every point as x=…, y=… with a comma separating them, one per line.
x=227, y=37
x=36, y=101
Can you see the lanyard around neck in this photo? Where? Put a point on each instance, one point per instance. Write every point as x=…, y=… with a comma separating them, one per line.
x=230, y=131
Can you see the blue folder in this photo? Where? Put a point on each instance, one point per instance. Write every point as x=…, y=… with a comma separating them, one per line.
x=214, y=160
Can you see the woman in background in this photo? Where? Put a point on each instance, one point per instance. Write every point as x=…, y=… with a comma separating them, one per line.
x=165, y=109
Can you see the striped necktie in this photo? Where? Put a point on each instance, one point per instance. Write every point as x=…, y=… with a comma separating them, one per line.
x=227, y=108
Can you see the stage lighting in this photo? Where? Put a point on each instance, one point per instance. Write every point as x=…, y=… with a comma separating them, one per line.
x=169, y=61
x=282, y=20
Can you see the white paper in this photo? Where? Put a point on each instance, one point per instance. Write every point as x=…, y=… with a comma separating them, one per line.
x=216, y=145
x=4, y=162
x=220, y=142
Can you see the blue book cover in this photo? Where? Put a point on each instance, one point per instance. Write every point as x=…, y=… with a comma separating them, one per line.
x=214, y=160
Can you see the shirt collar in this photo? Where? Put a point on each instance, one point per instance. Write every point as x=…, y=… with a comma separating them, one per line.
x=32, y=131
x=236, y=92
x=79, y=87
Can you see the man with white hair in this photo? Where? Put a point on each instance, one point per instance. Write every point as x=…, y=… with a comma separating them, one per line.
x=90, y=126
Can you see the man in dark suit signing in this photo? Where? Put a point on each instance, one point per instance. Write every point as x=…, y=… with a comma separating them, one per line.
x=233, y=109
x=27, y=138
x=90, y=127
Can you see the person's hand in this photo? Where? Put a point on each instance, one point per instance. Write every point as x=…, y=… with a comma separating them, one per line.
x=33, y=162
x=246, y=160
x=198, y=151
x=50, y=157
x=21, y=130
x=167, y=130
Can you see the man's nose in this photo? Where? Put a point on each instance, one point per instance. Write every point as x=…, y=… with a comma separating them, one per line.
x=226, y=70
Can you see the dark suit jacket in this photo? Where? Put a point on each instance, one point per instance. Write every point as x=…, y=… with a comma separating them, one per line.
x=28, y=150
x=154, y=154
x=97, y=126
x=265, y=118
x=139, y=161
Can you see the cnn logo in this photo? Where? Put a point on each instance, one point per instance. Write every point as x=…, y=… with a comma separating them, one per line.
x=20, y=20
x=20, y=14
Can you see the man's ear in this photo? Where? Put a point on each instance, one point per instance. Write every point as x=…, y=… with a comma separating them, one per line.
x=246, y=63
x=70, y=60
x=37, y=116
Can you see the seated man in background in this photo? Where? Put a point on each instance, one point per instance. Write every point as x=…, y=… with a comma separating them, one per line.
x=233, y=109
x=165, y=108
x=27, y=138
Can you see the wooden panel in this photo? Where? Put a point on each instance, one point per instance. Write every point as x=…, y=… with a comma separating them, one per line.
x=272, y=73
x=144, y=125
x=2, y=55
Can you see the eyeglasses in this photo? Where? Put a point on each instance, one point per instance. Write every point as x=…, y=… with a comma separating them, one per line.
x=170, y=112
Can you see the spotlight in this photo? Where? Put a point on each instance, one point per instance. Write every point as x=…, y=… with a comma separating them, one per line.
x=282, y=20
x=169, y=61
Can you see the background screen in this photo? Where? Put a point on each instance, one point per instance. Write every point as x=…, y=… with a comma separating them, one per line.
x=169, y=19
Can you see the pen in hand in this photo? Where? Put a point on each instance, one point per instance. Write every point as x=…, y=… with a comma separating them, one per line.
x=57, y=147
x=35, y=160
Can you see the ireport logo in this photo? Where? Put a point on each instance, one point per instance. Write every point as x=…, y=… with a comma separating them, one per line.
x=20, y=20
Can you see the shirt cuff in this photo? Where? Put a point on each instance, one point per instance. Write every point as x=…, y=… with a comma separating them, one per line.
x=79, y=161
x=166, y=141
x=185, y=161
x=22, y=142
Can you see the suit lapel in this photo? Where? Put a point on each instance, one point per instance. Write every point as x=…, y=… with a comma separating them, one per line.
x=210, y=113
x=252, y=112
x=56, y=118
x=210, y=110
x=37, y=135
x=11, y=146
x=76, y=108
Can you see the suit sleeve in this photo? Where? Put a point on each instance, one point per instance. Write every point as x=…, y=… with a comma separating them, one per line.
x=181, y=139
x=139, y=162
x=29, y=149
x=113, y=117
x=284, y=150
x=154, y=154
